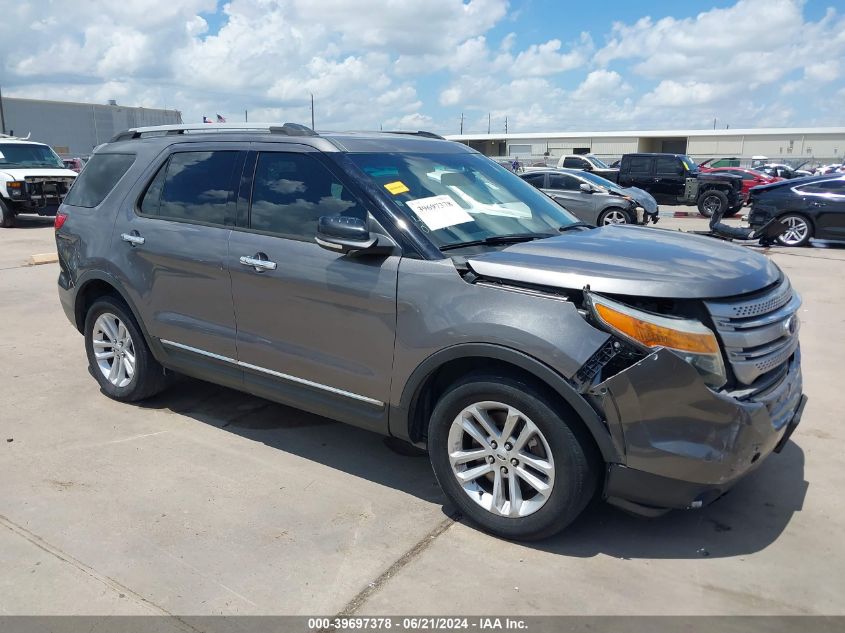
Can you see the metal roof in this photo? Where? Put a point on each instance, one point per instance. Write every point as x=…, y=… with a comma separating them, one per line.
x=762, y=131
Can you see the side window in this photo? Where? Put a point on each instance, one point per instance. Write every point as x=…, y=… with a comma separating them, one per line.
x=640, y=165
x=668, y=166
x=564, y=181
x=574, y=162
x=192, y=186
x=152, y=197
x=291, y=191
x=836, y=187
x=538, y=180
x=99, y=177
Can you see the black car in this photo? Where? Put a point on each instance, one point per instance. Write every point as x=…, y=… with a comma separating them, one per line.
x=812, y=207
x=676, y=179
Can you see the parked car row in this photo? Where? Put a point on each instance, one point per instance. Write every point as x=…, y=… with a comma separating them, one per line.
x=593, y=199
x=810, y=206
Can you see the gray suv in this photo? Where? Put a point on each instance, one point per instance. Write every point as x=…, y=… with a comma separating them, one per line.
x=410, y=286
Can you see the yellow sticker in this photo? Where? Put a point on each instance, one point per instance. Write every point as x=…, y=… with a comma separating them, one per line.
x=396, y=187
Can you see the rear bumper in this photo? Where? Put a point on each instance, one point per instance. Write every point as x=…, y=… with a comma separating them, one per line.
x=685, y=445
x=67, y=297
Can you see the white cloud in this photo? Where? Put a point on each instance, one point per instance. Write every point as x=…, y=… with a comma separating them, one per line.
x=412, y=64
x=601, y=84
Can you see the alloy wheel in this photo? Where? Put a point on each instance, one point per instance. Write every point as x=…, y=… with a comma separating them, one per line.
x=501, y=459
x=614, y=216
x=711, y=204
x=796, y=232
x=114, y=349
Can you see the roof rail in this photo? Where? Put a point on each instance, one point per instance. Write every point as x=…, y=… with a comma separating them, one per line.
x=16, y=138
x=288, y=129
x=417, y=133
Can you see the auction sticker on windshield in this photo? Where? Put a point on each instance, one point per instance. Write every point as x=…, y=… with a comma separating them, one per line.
x=396, y=187
x=438, y=212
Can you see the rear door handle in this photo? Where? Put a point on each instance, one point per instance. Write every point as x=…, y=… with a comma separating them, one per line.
x=258, y=261
x=133, y=238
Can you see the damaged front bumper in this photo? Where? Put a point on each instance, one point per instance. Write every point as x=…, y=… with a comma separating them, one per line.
x=683, y=444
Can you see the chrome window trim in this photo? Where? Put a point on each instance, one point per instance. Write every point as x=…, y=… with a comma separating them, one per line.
x=271, y=372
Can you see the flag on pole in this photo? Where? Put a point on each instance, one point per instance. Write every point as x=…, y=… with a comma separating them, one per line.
x=221, y=119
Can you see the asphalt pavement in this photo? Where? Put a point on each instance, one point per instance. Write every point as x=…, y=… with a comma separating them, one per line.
x=207, y=501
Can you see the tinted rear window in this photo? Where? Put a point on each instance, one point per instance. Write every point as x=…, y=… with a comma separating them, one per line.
x=192, y=186
x=99, y=177
x=639, y=164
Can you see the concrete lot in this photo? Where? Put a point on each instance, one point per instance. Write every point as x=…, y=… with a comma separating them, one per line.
x=207, y=501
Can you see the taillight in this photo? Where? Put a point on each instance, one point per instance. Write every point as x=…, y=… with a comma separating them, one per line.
x=61, y=218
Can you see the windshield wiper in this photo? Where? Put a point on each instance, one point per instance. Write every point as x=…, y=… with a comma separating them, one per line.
x=498, y=239
x=576, y=225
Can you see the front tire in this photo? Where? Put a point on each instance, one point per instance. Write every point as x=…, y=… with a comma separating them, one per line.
x=712, y=201
x=732, y=211
x=118, y=355
x=799, y=230
x=7, y=216
x=614, y=215
x=512, y=460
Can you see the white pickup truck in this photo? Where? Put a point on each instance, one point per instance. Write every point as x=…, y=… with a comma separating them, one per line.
x=33, y=179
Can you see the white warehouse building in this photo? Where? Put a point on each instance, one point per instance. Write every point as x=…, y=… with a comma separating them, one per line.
x=790, y=145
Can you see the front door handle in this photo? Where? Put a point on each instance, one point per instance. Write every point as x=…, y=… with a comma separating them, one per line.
x=133, y=238
x=258, y=261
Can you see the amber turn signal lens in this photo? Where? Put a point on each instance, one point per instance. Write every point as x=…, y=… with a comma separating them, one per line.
x=653, y=335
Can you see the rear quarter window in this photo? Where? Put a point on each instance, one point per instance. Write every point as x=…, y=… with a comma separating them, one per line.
x=639, y=164
x=98, y=178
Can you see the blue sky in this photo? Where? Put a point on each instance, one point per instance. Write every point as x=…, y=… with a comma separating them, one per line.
x=543, y=64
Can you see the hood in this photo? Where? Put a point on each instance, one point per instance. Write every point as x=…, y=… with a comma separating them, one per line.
x=632, y=260
x=643, y=198
x=39, y=172
x=721, y=177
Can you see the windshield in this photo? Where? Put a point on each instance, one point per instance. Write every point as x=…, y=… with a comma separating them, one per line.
x=597, y=162
x=689, y=163
x=26, y=155
x=463, y=197
x=598, y=180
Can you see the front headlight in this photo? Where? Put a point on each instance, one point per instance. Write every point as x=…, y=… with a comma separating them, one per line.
x=687, y=338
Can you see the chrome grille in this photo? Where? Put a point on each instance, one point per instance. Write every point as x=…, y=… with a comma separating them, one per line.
x=758, y=333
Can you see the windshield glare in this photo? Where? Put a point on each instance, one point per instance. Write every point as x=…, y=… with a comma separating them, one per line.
x=598, y=180
x=462, y=197
x=689, y=163
x=25, y=155
x=597, y=162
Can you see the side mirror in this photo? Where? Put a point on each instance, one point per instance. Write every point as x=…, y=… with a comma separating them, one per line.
x=349, y=236
x=587, y=167
x=586, y=188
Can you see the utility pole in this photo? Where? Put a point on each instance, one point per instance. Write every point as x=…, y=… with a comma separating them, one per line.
x=506, y=125
x=488, y=123
x=714, y=123
x=462, y=122
x=312, y=110
x=246, y=116
x=2, y=114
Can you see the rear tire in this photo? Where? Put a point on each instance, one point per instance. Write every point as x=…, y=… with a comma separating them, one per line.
x=7, y=216
x=524, y=470
x=614, y=215
x=799, y=230
x=118, y=355
x=712, y=201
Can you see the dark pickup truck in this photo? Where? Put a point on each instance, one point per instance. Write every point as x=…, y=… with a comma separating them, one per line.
x=676, y=179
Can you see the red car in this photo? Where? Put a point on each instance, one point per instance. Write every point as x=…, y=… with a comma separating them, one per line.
x=750, y=177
